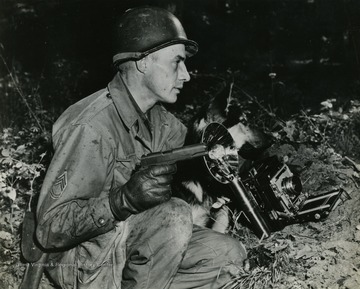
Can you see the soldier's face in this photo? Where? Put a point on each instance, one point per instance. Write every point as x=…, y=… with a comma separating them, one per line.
x=166, y=73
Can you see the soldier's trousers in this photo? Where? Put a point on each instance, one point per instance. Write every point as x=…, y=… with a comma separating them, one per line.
x=159, y=248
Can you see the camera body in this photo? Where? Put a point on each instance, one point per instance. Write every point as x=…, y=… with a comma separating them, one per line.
x=277, y=193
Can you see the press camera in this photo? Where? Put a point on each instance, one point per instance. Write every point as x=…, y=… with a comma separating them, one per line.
x=269, y=195
x=277, y=193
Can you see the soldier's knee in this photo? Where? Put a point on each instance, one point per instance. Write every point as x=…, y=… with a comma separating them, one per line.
x=177, y=218
x=177, y=208
x=234, y=250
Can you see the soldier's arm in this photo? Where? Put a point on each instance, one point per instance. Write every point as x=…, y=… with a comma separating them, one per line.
x=73, y=205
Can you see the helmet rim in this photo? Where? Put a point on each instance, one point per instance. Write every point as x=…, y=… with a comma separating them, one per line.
x=191, y=47
x=154, y=28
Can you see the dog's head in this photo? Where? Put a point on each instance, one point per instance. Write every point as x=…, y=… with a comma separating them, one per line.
x=225, y=107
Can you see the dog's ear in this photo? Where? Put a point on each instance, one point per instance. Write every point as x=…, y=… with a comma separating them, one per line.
x=225, y=107
x=218, y=105
x=217, y=108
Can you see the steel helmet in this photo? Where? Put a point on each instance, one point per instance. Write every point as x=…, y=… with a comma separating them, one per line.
x=143, y=30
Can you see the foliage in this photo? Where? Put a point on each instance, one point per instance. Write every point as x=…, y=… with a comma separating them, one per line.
x=334, y=127
x=21, y=168
x=313, y=139
x=24, y=154
x=18, y=171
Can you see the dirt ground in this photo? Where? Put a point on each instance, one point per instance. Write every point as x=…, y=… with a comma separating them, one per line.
x=326, y=254
x=316, y=255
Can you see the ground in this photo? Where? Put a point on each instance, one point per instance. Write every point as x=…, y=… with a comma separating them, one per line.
x=314, y=255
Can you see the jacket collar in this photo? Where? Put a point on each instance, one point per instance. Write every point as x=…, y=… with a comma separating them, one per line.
x=123, y=101
x=130, y=113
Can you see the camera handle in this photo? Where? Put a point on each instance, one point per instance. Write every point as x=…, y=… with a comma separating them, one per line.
x=246, y=201
x=250, y=208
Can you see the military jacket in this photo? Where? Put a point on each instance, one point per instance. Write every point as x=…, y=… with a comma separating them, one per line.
x=98, y=142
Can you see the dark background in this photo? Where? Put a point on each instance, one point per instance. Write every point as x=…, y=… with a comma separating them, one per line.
x=62, y=50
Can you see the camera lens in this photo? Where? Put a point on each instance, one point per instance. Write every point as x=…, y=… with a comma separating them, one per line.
x=292, y=185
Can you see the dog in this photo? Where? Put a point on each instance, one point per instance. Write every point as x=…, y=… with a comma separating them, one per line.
x=210, y=200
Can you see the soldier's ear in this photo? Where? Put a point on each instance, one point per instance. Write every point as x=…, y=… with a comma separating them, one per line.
x=142, y=64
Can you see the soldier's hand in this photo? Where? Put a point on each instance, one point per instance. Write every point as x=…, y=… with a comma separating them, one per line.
x=146, y=188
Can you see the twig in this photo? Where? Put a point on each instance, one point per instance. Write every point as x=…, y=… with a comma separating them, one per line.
x=309, y=120
x=270, y=113
x=229, y=97
x=303, y=236
x=304, y=182
x=353, y=163
x=11, y=219
x=323, y=137
x=18, y=89
x=355, y=182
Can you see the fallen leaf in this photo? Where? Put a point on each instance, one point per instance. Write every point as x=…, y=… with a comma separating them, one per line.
x=12, y=194
x=5, y=235
x=306, y=252
x=5, y=153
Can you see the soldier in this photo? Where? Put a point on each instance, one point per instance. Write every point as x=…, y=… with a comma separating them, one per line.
x=106, y=223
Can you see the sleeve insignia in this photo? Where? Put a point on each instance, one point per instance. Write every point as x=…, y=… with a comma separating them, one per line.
x=59, y=186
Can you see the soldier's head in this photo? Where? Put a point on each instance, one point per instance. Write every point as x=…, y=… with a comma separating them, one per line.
x=153, y=42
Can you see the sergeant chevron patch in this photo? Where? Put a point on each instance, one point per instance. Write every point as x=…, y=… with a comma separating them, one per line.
x=59, y=186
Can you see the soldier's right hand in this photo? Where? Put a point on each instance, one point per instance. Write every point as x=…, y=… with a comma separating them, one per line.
x=146, y=188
